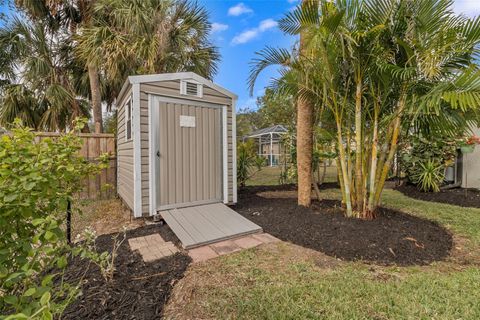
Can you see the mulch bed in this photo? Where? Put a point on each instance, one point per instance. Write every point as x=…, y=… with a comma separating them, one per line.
x=456, y=196
x=393, y=238
x=139, y=290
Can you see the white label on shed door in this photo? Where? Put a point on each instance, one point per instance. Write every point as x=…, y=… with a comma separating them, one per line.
x=187, y=121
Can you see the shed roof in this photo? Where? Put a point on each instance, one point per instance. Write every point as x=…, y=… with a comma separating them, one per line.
x=276, y=129
x=174, y=76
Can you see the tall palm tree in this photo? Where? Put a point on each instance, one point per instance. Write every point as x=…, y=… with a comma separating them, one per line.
x=46, y=97
x=117, y=38
x=304, y=127
x=153, y=36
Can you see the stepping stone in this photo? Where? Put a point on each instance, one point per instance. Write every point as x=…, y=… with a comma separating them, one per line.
x=202, y=253
x=152, y=247
x=247, y=242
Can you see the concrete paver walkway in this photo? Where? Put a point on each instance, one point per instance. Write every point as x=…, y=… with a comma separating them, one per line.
x=152, y=247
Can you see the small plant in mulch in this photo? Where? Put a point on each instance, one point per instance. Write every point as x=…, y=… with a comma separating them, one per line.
x=104, y=260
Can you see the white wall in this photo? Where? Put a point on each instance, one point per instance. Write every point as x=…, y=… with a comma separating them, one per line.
x=471, y=167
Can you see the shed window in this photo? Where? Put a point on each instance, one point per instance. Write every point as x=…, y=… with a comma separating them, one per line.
x=128, y=120
x=191, y=88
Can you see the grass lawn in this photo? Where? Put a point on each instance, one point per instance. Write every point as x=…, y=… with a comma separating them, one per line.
x=269, y=176
x=285, y=281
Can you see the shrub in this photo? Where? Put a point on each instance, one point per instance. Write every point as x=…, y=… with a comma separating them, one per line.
x=424, y=160
x=428, y=176
x=248, y=162
x=37, y=179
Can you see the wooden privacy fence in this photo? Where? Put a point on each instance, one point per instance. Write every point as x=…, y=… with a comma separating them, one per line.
x=95, y=144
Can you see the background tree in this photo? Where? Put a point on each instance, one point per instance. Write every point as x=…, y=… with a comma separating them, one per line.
x=154, y=36
x=46, y=97
x=276, y=107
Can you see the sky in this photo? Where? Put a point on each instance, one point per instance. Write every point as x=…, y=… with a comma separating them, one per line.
x=241, y=28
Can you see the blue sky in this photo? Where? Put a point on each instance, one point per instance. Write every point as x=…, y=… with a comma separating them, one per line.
x=243, y=27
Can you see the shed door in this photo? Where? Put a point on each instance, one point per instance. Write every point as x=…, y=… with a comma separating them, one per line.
x=190, y=155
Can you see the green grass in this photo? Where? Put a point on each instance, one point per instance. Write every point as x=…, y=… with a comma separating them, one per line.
x=287, y=282
x=269, y=176
x=351, y=292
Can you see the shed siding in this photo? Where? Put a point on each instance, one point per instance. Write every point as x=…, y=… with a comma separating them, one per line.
x=124, y=156
x=471, y=167
x=172, y=89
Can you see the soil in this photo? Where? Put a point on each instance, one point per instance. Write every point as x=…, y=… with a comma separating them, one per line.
x=138, y=290
x=458, y=196
x=393, y=238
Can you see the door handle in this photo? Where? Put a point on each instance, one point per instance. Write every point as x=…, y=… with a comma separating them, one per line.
x=158, y=154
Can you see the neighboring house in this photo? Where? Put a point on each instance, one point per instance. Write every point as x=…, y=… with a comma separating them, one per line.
x=469, y=167
x=270, y=144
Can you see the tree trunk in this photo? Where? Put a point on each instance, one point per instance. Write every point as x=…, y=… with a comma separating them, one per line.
x=343, y=165
x=96, y=97
x=373, y=169
x=304, y=152
x=304, y=139
x=358, y=148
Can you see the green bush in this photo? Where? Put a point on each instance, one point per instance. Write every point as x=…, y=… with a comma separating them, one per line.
x=429, y=176
x=248, y=162
x=424, y=160
x=37, y=179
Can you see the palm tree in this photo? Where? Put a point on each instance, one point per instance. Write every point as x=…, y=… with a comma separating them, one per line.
x=155, y=36
x=304, y=127
x=46, y=97
x=373, y=64
x=117, y=38
x=64, y=16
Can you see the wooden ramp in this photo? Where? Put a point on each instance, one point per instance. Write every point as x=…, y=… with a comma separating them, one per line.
x=206, y=224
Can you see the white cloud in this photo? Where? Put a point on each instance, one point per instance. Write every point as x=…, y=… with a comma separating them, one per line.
x=267, y=24
x=251, y=34
x=245, y=36
x=239, y=9
x=219, y=27
x=469, y=8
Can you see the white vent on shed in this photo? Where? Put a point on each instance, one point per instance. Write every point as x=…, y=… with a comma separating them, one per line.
x=191, y=88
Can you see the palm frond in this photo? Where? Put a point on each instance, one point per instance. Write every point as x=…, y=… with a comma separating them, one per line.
x=265, y=58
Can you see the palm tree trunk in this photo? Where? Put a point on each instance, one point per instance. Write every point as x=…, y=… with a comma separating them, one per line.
x=343, y=165
x=304, y=140
x=304, y=152
x=358, y=147
x=391, y=152
x=373, y=169
x=96, y=97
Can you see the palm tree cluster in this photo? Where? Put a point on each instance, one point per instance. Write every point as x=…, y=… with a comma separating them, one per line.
x=65, y=58
x=369, y=70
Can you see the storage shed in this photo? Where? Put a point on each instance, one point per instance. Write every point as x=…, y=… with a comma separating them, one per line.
x=176, y=143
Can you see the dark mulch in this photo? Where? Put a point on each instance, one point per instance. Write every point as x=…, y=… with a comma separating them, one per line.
x=139, y=290
x=392, y=238
x=458, y=196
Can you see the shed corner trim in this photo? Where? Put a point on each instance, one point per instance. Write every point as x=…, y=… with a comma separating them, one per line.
x=137, y=165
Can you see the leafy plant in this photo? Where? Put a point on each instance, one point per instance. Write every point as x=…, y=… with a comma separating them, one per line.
x=37, y=179
x=248, y=162
x=428, y=176
x=424, y=159
x=104, y=260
